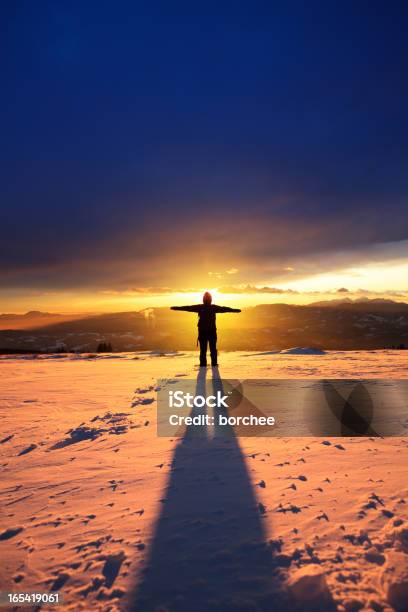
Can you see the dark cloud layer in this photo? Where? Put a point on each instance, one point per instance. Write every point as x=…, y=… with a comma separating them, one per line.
x=145, y=145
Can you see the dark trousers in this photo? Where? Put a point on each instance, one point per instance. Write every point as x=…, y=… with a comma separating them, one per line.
x=204, y=339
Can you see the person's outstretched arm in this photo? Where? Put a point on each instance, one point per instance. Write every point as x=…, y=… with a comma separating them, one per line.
x=186, y=308
x=226, y=309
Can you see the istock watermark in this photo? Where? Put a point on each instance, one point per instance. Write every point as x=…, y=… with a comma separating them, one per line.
x=179, y=399
x=288, y=407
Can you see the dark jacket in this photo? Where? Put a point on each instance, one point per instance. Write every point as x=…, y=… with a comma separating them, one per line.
x=206, y=315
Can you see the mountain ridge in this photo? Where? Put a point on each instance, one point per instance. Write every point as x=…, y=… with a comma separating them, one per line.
x=369, y=324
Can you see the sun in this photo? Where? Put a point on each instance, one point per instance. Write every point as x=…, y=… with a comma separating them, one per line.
x=215, y=295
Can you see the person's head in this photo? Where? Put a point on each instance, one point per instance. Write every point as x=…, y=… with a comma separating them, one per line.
x=207, y=298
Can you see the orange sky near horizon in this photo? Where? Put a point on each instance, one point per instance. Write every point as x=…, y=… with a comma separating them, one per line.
x=379, y=279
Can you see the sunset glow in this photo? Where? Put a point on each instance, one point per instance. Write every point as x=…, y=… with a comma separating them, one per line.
x=380, y=280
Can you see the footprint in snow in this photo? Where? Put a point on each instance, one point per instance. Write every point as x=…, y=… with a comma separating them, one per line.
x=112, y=567
x=10, y=533
x=27, y=450
x=145, y=390
x=142, y=401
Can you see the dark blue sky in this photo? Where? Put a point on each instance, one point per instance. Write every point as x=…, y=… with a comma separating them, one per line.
x=146, y=144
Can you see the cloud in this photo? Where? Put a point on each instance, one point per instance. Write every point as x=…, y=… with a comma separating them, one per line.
x=103, y=254
x=390, y=293
x=253, y=289
x=218, y=275
x=268, y=189
x=138, y=291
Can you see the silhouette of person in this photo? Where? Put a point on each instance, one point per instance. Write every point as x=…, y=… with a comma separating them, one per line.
x=207, y=330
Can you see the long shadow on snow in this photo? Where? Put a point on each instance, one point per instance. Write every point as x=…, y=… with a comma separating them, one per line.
x=210, y=549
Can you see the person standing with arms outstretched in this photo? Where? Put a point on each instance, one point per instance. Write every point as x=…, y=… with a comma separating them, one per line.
x=207, y=329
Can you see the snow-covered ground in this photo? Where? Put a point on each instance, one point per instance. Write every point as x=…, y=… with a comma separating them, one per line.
x=95, y=505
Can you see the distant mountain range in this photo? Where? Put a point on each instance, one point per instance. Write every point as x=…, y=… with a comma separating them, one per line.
x=338, y=324
x=32, y=319
x=361, y=302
